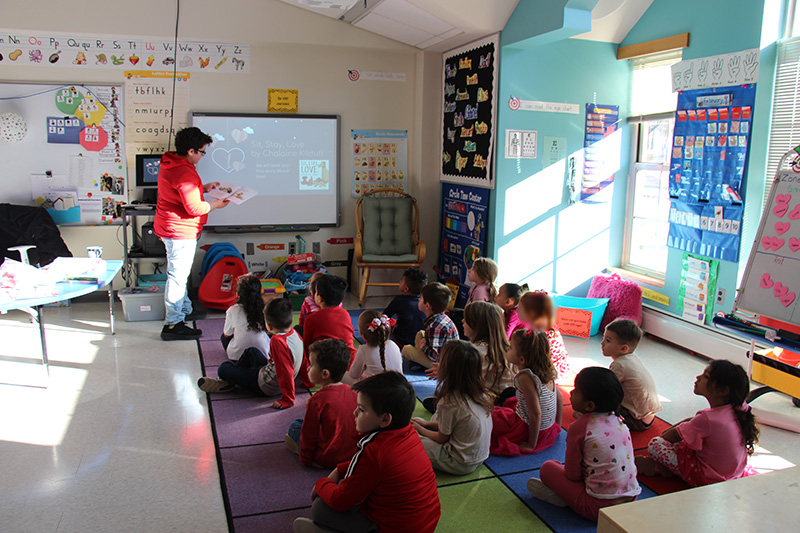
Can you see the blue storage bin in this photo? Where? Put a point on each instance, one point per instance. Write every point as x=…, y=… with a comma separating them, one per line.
x=65, y=216
x=596, y=305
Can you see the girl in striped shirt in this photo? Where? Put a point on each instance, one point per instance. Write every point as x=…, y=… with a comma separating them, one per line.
x=531, y=421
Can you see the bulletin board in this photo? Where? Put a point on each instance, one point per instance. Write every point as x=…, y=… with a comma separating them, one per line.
x=72, y=153
x=771, y=281
x=469, y=113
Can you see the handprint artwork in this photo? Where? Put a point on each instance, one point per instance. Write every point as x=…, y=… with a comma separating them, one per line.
x=734, y=66
x=702, y=74
x=717, y=71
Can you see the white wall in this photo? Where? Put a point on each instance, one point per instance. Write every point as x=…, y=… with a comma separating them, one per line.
x=290, y=48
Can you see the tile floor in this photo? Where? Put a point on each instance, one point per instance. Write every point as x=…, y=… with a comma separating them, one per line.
x=121, y=441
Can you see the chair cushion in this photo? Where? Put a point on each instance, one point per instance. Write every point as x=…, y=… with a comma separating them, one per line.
x=387, y=227
x=375, y=258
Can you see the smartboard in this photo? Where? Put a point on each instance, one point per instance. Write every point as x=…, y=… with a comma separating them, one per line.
x=73, y=147
x=292, y=162
x=771, y=283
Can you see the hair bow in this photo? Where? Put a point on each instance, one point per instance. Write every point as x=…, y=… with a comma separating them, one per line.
x=381, y=321
x=745, y=408
x=539, y=292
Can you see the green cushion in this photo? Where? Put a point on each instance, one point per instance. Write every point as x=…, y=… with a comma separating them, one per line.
x=387, y=227
x=375, y=258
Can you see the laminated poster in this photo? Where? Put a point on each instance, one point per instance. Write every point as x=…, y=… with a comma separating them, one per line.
x=380, y=160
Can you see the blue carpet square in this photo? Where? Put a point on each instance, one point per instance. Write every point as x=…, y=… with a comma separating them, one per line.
x=506, y=465
x=424, y=388
x=561, y=519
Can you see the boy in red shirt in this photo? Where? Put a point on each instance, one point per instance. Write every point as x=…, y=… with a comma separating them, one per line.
x=389, y=484
x=328, y=435
x=331, y=321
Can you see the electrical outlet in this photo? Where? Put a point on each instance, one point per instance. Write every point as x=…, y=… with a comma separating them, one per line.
x=721, y=296
x=292, y=248
x=251, y=249
x=315, y=247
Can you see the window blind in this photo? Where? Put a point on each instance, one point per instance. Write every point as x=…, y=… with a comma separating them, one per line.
x=784, y=132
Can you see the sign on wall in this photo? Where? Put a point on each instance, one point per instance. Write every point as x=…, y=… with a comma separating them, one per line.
x=380, y=160
x=601, y=122
x=463, y=235
x=469, y=117
x=82, y=51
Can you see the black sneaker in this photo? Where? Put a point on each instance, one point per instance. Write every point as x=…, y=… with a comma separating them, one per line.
x=196, y=314
x=429, y=404
x=179, y=332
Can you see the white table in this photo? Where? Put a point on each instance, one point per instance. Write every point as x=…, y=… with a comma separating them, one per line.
x=766, y=502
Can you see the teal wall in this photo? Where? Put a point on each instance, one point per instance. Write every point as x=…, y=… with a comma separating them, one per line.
x=558, y=246
x=539, y=237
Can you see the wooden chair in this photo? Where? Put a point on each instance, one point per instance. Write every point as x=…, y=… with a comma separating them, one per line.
x=387, y=222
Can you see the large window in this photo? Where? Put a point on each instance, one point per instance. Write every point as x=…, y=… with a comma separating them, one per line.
x=647, y=217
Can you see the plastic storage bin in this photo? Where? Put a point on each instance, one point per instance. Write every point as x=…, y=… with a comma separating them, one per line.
x=141, y=304
x=596, y=305
x=148, y=280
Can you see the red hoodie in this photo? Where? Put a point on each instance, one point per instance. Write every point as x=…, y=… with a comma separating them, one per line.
x=181, y=211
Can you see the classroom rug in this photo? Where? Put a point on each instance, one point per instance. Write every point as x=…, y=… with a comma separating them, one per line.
x=265, y=487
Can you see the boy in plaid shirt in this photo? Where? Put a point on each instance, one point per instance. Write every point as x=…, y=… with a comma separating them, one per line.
x=438, y=327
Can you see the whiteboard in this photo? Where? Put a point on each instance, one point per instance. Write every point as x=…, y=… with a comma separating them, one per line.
x=74, y=132
x=771, y=283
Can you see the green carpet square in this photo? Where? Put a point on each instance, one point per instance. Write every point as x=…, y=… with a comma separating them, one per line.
x=485, y=505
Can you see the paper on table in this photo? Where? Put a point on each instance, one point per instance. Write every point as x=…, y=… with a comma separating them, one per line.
x=229, y=191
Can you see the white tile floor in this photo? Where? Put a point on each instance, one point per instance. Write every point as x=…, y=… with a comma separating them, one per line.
x=121, y=441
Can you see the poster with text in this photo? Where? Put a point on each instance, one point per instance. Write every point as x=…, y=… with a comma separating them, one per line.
x=148, y=97
x=380, y=160
x=468, y=114
x=463, y=236
x=707, y=170
x=598, y=170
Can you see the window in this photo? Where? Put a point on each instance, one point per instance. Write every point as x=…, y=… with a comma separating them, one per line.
x=647, y=216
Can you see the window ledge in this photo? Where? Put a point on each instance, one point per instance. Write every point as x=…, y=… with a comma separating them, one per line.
x=650, y=280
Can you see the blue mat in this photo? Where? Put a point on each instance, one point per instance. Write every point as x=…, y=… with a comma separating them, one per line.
x=561, y=519
x=501, y=465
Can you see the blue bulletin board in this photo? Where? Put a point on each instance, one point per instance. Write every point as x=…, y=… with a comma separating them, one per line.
x=707, y=171
x=463, y=235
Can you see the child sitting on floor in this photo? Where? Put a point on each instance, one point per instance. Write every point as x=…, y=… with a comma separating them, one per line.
x=438, y=327
x=598, y=469
x=483, y=326
x=457, y=437
x=410, y=319
x=713, y=445
x=262, y=376
x=309, y=305
x=327, y=435
x=531, y=421
x=640, y=402
x=536, y=309
x=389, y=484
x=244, y=321
x=331, y=321
x=481, y=274
x=507, y=298
x=378, y=354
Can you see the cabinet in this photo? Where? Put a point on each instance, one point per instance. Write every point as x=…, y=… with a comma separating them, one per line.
x=133, y=253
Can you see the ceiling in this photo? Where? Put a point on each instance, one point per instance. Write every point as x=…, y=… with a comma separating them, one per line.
x=441, y=25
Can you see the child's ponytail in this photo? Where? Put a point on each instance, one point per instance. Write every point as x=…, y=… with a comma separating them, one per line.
x=376, y=327
x=724, y=374
x=486, y=269
x=534, y=347
x=248, y=288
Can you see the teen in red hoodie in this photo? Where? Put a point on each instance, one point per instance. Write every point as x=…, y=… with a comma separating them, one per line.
x=181, y=213
x=389, y=484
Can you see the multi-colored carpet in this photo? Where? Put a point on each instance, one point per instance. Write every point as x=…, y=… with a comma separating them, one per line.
x=265, y=487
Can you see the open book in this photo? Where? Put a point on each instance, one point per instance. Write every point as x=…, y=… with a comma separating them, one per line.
x=229, y=191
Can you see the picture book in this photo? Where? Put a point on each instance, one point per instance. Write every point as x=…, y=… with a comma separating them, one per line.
x=228, y=191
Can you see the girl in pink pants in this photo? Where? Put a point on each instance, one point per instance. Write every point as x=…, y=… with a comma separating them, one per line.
x=598, y=469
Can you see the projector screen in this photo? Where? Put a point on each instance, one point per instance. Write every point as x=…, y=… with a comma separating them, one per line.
x=292, y=162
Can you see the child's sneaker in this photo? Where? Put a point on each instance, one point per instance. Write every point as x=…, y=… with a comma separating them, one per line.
x=291, y=445
x=306, y=525
x=542, y=492
x=215, y=385
x=180, y=331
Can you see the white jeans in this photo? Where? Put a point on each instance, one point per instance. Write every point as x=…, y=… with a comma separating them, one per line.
x=180, y=257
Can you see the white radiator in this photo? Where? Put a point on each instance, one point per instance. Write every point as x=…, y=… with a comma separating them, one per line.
x=702, y=340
